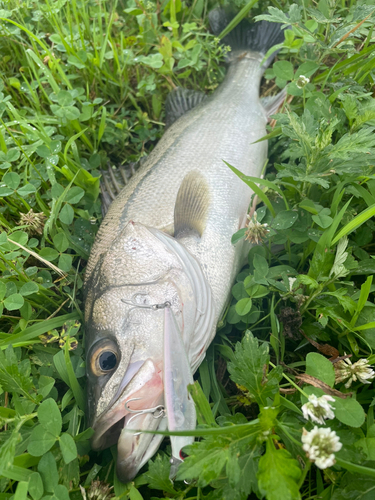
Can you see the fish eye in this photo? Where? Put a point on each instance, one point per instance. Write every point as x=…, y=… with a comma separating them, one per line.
x=104, y=359
x=107, y=361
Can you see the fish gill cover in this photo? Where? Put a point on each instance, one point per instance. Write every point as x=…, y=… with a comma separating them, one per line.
x=83, y=85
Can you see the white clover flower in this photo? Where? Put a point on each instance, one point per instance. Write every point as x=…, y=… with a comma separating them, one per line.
x=291, y=283
x=318, y=409
x=360, y=370
x=302, y=81
x=255, y=232
x=320, y=445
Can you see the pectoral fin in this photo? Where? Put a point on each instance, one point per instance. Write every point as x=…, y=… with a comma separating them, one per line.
x=192, y=204
x=180, y=407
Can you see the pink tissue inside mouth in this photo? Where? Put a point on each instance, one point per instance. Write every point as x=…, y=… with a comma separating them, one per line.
x=109, y=426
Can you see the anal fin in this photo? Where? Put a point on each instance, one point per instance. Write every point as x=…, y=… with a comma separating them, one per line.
x=272, y=103
x=179, y=102
x=192, y=204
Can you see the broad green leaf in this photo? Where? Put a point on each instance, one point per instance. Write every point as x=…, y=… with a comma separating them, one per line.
x=243, y=306
x=74, y=195
x=36, y=486
x=4, y=191
x=29, y=288
x=67, y=214
x=349, y=412
x=26, y=189
x=40, y=441
x=60, y=492
x=48, y=470
x=283, y=70
x=49, y=417
x=68, y=447
x=65, y=262
x=323, y=218
x=45, y=385
x=278, y=474
x=56, y=190
x=13, y=154
x=284, y=220
x=64, y=98
x=14, y=301
x=260, y=269
x=320, y=367
x=61, y=242
x=238, y=291
x=49, y=253
x=307, y=68
x=12, y=180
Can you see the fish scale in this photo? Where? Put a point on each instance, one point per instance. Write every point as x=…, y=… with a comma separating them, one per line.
x=167, y=237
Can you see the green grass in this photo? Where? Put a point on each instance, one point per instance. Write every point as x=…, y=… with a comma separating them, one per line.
x=81, y=87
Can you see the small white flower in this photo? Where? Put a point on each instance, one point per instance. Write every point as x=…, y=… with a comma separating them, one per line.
x=318, y=409
x=302, y=81
x=255, y=231
x=360, y=370
x=320, y=445
x=291, y=283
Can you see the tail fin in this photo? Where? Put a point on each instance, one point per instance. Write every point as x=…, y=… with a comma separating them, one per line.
x=255, y=37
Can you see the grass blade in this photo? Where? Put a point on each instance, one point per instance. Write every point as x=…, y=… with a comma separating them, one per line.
x=236, y=20
x=355, y=223
x=254, y=187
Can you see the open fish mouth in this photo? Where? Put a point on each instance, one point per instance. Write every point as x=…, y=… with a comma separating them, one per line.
x=139, y=407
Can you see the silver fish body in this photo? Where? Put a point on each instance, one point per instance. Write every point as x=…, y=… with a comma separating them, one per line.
x=165, y=243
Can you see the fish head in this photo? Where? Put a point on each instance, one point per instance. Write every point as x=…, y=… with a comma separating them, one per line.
x=126, y=295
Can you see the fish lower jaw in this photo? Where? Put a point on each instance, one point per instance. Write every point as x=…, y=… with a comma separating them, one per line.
x=123, y=413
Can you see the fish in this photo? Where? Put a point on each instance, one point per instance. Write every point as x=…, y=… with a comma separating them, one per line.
x=162, y=266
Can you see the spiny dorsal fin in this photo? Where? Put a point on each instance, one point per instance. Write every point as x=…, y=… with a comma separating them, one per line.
x=192, y=203
x=179, y=102
x=113, y=180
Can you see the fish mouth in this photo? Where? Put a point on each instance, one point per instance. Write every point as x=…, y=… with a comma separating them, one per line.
x=125, y=420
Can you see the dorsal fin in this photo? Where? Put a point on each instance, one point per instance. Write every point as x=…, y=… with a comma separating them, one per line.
x=113, y=180
x=192, y=203
x=179, y=102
